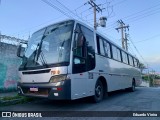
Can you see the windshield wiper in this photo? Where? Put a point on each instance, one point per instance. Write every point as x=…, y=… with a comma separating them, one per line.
x=34, y=56
x=40, y=53
x=43, y=60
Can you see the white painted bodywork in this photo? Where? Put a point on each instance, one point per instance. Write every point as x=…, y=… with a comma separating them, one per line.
x=118, y=75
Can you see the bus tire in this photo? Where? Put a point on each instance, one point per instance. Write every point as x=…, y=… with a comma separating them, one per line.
x=99, y=92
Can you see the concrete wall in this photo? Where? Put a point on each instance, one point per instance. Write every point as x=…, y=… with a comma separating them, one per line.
x=9, y=64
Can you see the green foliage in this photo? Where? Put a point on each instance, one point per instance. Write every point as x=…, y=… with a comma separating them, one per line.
x=151, y=84
x=145, y=78
x=5, y=101
x=11, y=98
x=142, y=67
x=157, y=77
x=150, y=79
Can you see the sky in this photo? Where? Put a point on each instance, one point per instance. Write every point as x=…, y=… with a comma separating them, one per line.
x=20, y=18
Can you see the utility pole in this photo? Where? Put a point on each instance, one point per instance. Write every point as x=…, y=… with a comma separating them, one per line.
x=153, y=76
x=126, y=41
x=148, y=76
x=123, y=28
x=96, y=8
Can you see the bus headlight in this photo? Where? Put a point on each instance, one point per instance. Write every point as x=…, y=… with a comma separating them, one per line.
x=58, y=78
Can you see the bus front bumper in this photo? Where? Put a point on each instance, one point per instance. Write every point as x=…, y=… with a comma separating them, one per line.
x=46, y=90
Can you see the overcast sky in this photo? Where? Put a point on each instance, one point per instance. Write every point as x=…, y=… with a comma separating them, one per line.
x=20, y=18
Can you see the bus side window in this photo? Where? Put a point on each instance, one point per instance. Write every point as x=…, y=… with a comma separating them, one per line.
x=107, y=49
x=116, y=53
x=135, y=62
x=124, y=57
x=79, y=43
x=101, y=47
x=119, y=54
x=130, y=60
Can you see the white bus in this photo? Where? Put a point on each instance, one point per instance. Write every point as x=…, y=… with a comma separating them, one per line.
x=69, y=60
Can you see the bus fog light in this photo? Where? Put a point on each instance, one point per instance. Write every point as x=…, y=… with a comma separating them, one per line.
x=58, y=84
x=55, y=94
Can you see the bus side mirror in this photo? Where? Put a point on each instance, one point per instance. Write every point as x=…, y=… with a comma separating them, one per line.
x=19, y=51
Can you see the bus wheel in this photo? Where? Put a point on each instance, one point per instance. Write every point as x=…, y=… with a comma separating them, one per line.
x=99, y=92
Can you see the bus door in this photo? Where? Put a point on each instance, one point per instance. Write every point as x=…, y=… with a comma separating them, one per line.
x=83, y=61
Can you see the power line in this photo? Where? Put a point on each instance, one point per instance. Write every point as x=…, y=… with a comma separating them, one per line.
x=146, y=14
x=137, y=50
x=134, y=17
x=131, y=50
x=36, y=26
x=55, y=7
x=84, y=11
x=68, y=11
x=148, y=38
x=144, y=10
x=140, y=55
x=79, y=7
x=75, y=14
x=119, y=2
x=66, y=8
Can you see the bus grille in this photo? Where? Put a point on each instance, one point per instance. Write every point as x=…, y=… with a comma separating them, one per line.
x=40, y=92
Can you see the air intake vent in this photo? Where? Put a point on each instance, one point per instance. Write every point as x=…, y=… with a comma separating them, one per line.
x=36, y=72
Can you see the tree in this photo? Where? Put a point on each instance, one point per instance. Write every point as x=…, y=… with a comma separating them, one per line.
x=142, y=67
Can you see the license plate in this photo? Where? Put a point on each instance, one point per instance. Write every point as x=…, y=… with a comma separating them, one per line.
x=34, y=89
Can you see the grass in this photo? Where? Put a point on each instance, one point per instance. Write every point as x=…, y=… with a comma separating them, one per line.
x=5, y=101
x=11, y=98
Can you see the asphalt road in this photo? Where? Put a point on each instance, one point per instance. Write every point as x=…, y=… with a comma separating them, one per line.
x=143, y=99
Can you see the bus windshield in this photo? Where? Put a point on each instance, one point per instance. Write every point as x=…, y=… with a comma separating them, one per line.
x=49, y=46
